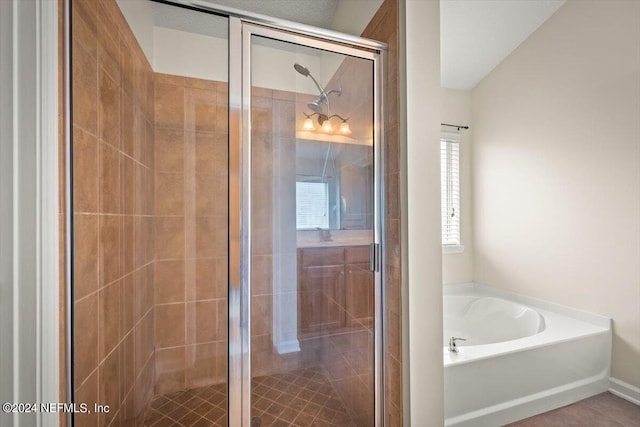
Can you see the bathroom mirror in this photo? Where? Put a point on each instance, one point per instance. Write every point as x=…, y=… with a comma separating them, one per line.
x=333, y=185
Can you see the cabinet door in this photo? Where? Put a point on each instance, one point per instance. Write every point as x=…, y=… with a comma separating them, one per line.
x=359, y=294
x=321, y=299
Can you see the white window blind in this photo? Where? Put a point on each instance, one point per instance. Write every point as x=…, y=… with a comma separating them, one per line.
x=312, y=205
x=450, y=182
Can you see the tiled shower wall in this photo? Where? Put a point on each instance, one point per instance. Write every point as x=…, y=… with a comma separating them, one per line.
x=385, y=27
x=191, y=232
x=113, y=131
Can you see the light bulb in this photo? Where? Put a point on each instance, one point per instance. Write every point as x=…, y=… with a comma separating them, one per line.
x=326, y=126
x=345, y=129
x=308, y=124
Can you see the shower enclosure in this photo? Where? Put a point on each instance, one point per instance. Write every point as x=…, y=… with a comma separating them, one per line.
x=226, y=198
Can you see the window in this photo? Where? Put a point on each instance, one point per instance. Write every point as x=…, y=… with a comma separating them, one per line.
x=450, y=182
x=312, y=205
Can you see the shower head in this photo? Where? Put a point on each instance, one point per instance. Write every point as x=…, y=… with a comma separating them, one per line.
x=316, y=105
x=305, y=72
x=301, y=69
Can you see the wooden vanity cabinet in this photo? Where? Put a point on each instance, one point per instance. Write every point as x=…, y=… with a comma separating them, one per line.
x=335, y=289
x=359, y=286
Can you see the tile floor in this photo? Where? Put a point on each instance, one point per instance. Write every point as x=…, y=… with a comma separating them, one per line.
x=299, y=398
x=598, y=411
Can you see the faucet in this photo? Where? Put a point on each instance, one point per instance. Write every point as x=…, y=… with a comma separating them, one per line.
x=452, y=344
x=325, y=234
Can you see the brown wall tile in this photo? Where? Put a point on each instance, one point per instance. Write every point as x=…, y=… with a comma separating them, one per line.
x=109, y=184
x=169, y=237
x=85, y=267
x=169, y=106
x=88, y=392
x=85, y=171
x=203, y=328
x=108, y=108
x=127, y=363
x=200, y=110
x=85, y=32
x=170, y=325
x=169, y=281
x=86, y=338
x=206, y=364
x=169, y=150
x=170, y=79
x=109, y=387
x=85, y=90
x=127, y=184
x=211, y=236
x=127, y=302
x=210, y=278
x=109, y=249
x=169, y=193
x=170, y=370
x=109, y=319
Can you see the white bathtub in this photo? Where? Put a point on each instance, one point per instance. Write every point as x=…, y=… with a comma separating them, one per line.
x=522, y=356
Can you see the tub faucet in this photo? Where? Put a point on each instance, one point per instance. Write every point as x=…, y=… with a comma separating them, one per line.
x=452, y=344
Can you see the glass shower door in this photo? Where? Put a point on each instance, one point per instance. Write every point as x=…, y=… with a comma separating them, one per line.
x=311, y=294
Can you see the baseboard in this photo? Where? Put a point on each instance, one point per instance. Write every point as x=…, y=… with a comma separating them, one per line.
x=624, y=390
x=291, y=346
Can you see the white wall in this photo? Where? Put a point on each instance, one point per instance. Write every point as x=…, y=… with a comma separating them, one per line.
x=196, y=55
x=456, y=109
x=421, y=105
x=139, y=16
x=556, y=169
x=189, y=54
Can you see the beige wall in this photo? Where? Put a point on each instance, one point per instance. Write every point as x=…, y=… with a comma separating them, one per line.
x=456, y=109
x=422, y=106
x=556, y=177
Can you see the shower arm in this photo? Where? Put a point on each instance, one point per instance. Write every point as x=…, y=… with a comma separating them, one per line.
x=320, y=88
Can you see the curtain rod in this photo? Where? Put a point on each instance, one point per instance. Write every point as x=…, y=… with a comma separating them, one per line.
x=455, y=126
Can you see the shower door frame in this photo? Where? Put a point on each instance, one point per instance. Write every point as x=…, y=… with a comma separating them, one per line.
x=242, y=25
x=240, y=37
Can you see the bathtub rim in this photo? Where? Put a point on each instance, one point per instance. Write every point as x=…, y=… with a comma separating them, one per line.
x=558, y=320
x=484, y=290
x=541, y=327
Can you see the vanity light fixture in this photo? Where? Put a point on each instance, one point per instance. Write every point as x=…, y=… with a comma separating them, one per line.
x=324, y=120
x=325, y=123
x=344, y=128
x=308, y=125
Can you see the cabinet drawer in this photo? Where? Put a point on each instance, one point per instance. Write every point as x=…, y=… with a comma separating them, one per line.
x=322, y=256
x=357, y=254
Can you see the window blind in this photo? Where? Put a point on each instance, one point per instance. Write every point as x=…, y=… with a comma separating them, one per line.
x=312, y=205
x=450, y=187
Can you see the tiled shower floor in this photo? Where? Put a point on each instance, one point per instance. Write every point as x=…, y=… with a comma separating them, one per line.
x=299, y=398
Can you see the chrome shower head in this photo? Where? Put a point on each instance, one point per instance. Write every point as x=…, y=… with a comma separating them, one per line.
x=305, y=72
x=316, y=105
x=301, y=69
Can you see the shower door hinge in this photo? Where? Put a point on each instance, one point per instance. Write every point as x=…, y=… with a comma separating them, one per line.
x=374, y=257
